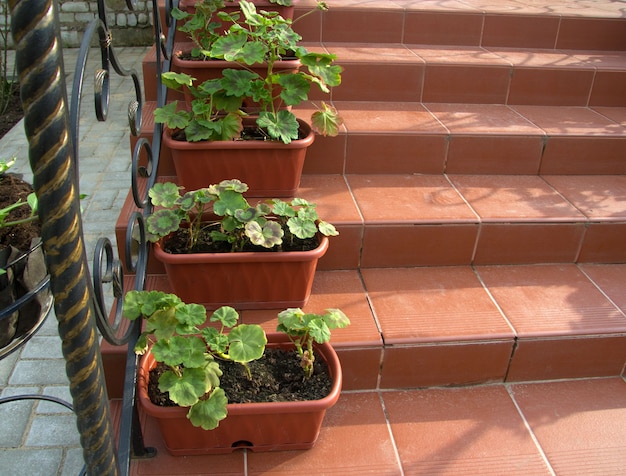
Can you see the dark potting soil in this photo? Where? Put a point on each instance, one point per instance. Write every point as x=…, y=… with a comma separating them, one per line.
x=13, y=112
x=276, y=377
x=247, y=133
x=178, y=241
x=12, y=189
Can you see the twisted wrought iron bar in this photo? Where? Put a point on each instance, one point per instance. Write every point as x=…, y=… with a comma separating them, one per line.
x=39, y=63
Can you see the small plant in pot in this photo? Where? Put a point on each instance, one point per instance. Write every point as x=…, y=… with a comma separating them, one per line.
x=268, y=414
x=190, y=354
x=200, y=17
x=306, y=328
x=264, y=255
x=24, y=298
x=245, y=106
x=264, y=39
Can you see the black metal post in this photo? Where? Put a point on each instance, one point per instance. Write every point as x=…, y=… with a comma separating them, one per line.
x=39, y=62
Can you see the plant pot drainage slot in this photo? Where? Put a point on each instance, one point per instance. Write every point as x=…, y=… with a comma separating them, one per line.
x=242, y=444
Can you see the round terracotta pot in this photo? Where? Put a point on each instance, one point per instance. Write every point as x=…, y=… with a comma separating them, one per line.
x=25, y=297
x=271, y=169
x=268, y=426
x=246, y=280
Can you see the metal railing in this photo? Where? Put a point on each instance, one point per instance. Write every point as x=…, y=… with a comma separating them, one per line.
x=52, y=130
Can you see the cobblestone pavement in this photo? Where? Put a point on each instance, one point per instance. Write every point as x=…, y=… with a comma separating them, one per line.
x=40, y=438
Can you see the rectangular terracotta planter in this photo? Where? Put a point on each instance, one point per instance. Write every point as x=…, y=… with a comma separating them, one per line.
x=259, y=427
x=246, y=280
x=270, y=168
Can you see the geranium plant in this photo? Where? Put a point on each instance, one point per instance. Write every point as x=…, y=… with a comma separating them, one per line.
x=192, y=353
x=305, y=328
x=31, y=201
x=264, y=38
x=226, y=214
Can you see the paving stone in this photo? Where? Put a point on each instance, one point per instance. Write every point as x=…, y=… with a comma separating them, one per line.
x=40, y=462
x=44, y=372
x=62, y=392
x=53, y=430
x=73, y=463
x=18, y=413
x=43, y=347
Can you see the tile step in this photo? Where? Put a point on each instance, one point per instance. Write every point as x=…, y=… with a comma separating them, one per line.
x=437, y=138
x=578, y=24
x=564, y=24
x=443, y=220
x=526, y=428
x=468, y=74
x=461, y=325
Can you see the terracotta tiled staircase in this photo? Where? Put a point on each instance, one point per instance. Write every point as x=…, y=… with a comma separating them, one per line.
x=478, y=186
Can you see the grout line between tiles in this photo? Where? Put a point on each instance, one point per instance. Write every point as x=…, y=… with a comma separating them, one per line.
x=597, y=286
x=378, y=328
x=393, y=440
x=530, y=430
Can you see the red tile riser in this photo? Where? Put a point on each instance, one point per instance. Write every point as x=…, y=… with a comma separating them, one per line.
x=591, y=34
x=576, y=357
x=466, y=84
x=609, y=89
x=494, y=154
x=520, y=31
x=449, y=28
x=443, y=363
x=550, y=87
x=570, y=155
x=362, y=25
x=514, y=243
x=380, y=82
x=403, y=154
x=418, y=245
x=604, y=243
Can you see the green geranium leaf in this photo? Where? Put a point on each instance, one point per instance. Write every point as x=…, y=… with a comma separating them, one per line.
x=216, y=341
x=246, y=215
x=229, y=201
x=268, y=235
x=164, y=194
x=319, y=330
x=327, y=229
x=211, y=86
x=191, y=314
x=208, y=413
x=282, y=126
x=225, y=315
x=174, y=80
x=178, y=350
x=247, y=343
x=200, y=130
x=170, y=116
x=326, y=121
x=302, y=228
x=162, y=323
x=320, y=65
x=141, y=346
x=236, y=82
x=336, y=319
x=283, y=209
x=162, y=223
x=228, y=47
x=253, y=53
x=185, y=389
x=227, y=103
x=295, y=88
